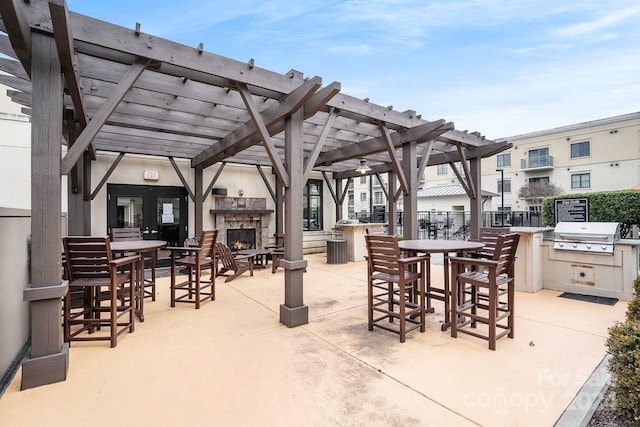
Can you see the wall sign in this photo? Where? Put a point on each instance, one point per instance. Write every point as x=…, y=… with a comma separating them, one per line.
x=572, y=210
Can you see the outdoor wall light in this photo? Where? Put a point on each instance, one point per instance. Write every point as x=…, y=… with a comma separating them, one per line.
x=363, y=168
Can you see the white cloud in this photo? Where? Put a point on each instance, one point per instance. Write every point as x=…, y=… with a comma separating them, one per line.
x=604, y=22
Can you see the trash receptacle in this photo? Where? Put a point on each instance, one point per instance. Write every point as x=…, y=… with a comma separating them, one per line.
x=337, y=251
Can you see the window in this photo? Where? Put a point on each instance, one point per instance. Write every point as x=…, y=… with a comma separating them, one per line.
x=351, y=199
x=507, y=186
x=363, y=179
x=363, y=197
x=539, y=158
x=377, y=198
x=504, y=159
x=544, y=180
x=580, y=149
x=312, y=205
x=442, y=169
x=581, y=180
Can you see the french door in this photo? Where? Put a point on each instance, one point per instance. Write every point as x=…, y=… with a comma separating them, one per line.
x=159, y=212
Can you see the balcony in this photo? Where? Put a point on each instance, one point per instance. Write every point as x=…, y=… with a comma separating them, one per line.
x=537, y=164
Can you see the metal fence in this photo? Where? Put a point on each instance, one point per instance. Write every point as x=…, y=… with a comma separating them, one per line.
x=455, y=224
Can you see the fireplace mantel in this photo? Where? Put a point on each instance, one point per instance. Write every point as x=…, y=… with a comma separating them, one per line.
x=241, y=211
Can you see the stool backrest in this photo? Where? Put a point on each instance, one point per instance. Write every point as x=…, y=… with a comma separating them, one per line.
x=505, y=252
x=87, y=257
x=124, y=234
x=207, y=241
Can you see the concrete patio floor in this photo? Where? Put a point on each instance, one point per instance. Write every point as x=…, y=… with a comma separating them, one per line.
x=232, y=363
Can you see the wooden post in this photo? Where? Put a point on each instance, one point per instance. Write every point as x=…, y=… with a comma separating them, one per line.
x=339, y=199
x=410, y=201
x=199, y=201
x=391, y=202
x=79, y=189
x=476, y=203
x=87, y=161
x=293, y=312
x=49, y=359
x=279, y=210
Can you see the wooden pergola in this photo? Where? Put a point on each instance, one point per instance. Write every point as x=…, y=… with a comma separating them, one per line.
x=93, y=86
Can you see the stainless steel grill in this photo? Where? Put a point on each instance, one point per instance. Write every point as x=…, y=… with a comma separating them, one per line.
x=591, y=237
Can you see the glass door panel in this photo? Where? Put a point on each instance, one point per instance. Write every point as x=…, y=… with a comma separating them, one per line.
x=129, y=212
x=168, y=222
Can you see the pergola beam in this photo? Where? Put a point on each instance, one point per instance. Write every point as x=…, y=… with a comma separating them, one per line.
x=184, y=181
x=311, y=106
x=92, y=129
x=17, y=26
x=64, y=43
x=395, y=163
x=311, y=159
x=264, y=134
x=213, y=181
x=371, y=146
x=275, y=114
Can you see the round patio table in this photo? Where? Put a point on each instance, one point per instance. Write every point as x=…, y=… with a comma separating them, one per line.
x=140, y=247
x=459, y=247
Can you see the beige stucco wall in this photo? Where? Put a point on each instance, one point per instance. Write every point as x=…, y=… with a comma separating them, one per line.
x=15, y=228
x=15, y=151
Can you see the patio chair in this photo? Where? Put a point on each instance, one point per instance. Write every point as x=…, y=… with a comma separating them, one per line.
x=232, y=263
x=91, y=270
x=195, y=289
x=489, y=236
x=134, y=233
x=483, y=292
x=392, y=281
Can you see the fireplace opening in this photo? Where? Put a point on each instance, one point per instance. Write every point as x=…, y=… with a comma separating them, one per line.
x=241, y=238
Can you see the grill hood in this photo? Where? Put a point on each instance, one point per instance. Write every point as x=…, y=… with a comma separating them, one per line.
x=592, y=237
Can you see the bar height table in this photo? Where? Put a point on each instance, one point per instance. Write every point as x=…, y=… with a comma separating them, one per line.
x=140, y=247
x=459, y=247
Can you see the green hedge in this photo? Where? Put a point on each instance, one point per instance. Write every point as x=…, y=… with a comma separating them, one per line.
x=623, y=344
x=606, y=206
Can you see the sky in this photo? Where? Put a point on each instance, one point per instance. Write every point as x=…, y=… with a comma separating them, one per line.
x=502, y=68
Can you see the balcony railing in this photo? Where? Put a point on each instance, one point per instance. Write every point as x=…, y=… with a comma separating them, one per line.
x=537, y=163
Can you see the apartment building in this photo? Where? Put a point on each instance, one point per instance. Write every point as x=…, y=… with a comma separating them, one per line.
x=600, y=155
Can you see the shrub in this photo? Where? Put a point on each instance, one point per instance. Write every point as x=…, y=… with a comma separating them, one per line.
x=623, y=344
x=633, y=310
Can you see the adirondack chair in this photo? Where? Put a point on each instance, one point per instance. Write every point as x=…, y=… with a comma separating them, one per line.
x=233, y=265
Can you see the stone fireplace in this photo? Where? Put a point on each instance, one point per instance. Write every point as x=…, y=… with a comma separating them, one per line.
x=237, y=213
